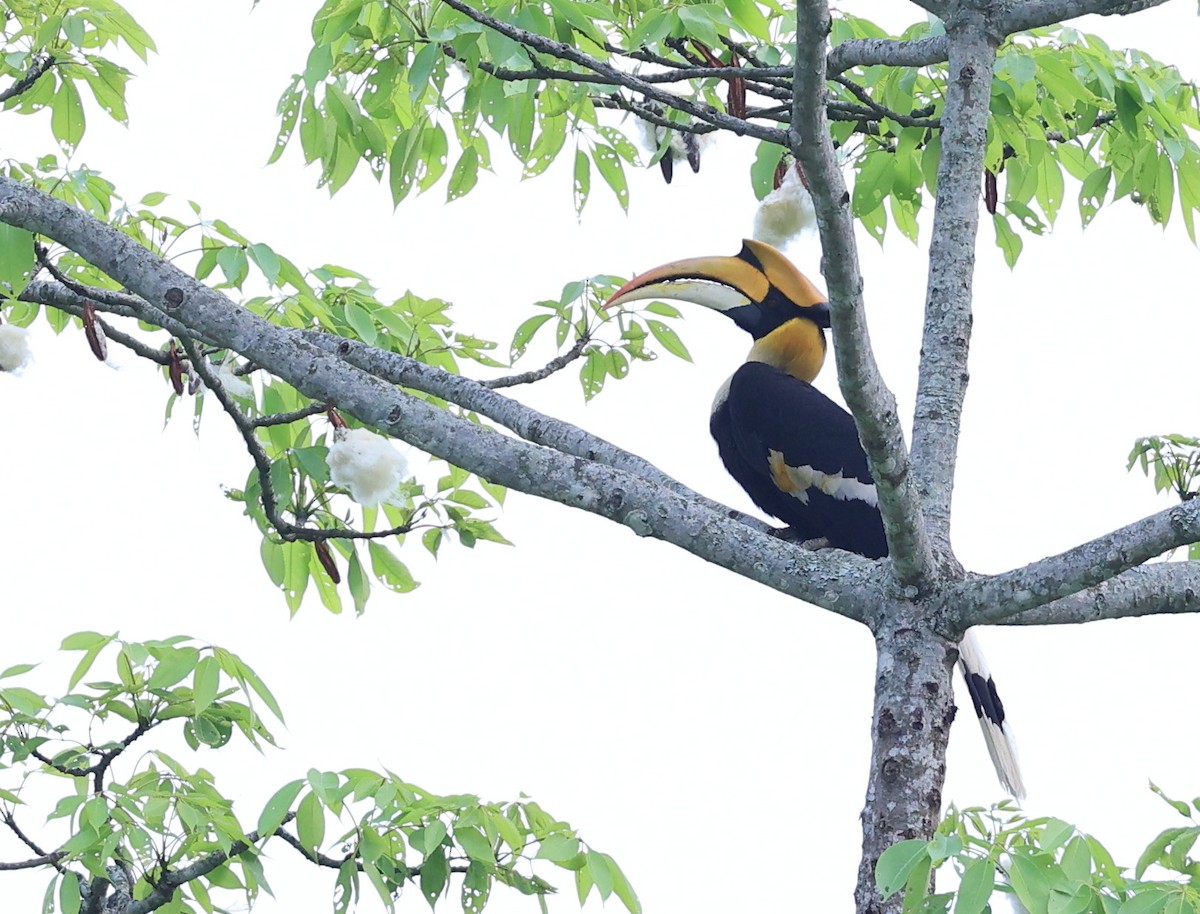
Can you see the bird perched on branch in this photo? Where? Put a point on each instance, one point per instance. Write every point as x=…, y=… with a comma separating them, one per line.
x=795, y=451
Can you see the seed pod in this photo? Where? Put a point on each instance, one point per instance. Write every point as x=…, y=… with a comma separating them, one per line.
x=989, y=192
x=667, y=164
x=735, y=102
x=780, y=173
x=175, y=368
x=325, y=557
x=692, y=145
x=94, y=332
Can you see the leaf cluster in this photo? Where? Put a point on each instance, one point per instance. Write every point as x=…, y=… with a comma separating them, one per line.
x=1046, y=863
x=175, y=836
x=52, y=50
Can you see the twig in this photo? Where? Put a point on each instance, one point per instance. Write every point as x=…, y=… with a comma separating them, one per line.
x=540, y=374
x=558, y=49
x=262, y=463
x=314, y=409
x=880, y=112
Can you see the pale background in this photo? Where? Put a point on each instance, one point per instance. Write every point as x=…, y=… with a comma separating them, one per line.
x=710, y=734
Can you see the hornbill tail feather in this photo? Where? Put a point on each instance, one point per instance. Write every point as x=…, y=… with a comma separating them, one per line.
x=997, y=732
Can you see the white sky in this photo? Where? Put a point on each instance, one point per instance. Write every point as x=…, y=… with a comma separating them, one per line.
x=710, y=734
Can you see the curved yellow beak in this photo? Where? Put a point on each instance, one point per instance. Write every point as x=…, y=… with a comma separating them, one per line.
x=724, y=283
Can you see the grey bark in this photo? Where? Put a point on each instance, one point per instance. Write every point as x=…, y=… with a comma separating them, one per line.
x=942, y=383
x=869, y=399
x=910, y=729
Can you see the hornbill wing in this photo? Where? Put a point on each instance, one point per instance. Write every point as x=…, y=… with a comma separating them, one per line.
x=797, y=454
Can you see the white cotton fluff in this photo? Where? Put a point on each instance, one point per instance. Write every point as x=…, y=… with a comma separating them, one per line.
x=14, y=347
x=235, y=385
x=366, y=464
x=691, y=145
x=785, y=212
x=649, y=134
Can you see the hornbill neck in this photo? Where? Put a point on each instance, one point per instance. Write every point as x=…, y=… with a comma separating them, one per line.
x=796, y=347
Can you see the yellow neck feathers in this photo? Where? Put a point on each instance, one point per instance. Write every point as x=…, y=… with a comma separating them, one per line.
x=797, y=347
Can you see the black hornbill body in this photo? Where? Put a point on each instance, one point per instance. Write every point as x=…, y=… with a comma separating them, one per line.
x=795, y=451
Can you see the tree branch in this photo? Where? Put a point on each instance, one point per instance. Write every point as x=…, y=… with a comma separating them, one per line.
x=314, y=409
x=992, y=599
x=164, y=888
x=890, y=52
x=942, y=383
x=530, y=424
x=869, y=399
x=844, y=583
x=36, y=71
x=1032, y=14
x=878, y=112
x=1151, y=590
x=50, y=859
x=43, y=858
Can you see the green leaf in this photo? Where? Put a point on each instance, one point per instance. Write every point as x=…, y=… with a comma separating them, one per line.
x=89, y=642
x=749, y=18
x=1093, y=192
x=525, y=333
x=896, y=863
x=66, y=118
x=174, y=664
x=582, y=185
x=668, y=339
x=1178, y=805
x=1030, y=880
x=558, y=848
x=278, y=806
x=1150, y=900
x=267, y=260
x=358, y=318
x=205, y=682
x=435, y=871
x=608, y=163
x=16, y=259
x=975, y=889
x=464, y=175
x=69, y=899
x=623, y=889
x=1006, y=239
x=390, y=570
x=473, y=842
x=873, y=183
x=598, y=869
x=310, y=822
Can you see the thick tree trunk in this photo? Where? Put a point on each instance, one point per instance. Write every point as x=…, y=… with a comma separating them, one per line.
x=914, y=705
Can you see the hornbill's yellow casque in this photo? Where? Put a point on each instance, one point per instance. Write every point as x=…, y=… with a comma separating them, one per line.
x=793, y=450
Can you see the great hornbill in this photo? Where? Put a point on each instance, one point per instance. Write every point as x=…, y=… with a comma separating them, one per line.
x=793, y=450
